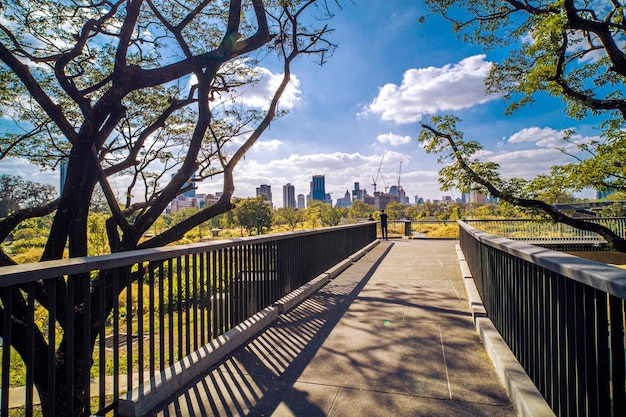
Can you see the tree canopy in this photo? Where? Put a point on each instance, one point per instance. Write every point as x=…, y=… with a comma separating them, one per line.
x=138, y=95
x=568, y=49
x=17, y=193
x=253, y=214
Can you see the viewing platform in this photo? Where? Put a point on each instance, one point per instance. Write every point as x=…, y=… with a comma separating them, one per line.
x=392, y=335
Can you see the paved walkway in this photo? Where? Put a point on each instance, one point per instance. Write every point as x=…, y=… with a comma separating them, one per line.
x=391, y=336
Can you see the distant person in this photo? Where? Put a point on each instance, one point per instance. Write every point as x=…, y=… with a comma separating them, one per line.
x=383, y=224
x=371, y=219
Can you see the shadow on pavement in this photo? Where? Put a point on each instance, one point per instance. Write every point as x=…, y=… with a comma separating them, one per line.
x=261, y=378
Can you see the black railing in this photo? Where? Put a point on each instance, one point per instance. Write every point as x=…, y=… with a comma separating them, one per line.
x=546, y=233
x=150, y=309
x=562, y=316
x=422, y=229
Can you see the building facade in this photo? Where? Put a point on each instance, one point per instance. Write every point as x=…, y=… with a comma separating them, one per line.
x=267, y=190
x=318, y=188
x=289, y=196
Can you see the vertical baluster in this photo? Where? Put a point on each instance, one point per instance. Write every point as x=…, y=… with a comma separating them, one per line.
x=140, y=324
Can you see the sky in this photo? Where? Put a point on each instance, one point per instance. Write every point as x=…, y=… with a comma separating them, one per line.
x=361, y=111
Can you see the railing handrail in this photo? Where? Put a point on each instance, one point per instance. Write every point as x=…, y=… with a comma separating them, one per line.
x=562, y=317
x=598, y=275
x=31, y=272
x=140, y=313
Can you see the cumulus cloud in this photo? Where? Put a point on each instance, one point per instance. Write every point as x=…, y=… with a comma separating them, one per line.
x=267, y=145
x=260, y=93
x=341, y=171
x=431, y=90
x=546, y=138
x=393, y=139
x=532, y=151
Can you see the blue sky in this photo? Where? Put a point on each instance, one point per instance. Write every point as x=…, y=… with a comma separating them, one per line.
x=387, y=72
x=367, y=101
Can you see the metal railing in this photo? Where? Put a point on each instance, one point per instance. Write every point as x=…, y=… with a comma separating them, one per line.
x=429, y=229
x=137, y=313
x=562, y=316
x=546, y=233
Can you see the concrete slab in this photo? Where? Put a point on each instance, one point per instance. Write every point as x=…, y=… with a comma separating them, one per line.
x=391, y=335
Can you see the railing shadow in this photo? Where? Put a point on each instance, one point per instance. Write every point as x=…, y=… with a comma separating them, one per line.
x=261, y=376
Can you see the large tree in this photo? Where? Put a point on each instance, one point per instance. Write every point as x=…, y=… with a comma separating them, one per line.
x=139, y=91
x=17, y=193
x=572, y=50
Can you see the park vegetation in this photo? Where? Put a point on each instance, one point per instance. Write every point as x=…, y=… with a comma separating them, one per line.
x=139, y=95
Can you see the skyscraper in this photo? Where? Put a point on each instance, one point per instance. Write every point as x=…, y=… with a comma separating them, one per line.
x=318, y=188
x=267, y=190
x=357, y=193
x=289, y=195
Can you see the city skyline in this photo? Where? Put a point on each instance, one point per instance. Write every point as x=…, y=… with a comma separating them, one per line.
x=359, y=115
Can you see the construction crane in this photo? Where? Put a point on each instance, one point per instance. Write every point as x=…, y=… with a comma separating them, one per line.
x=386, y=183
x=375, y=179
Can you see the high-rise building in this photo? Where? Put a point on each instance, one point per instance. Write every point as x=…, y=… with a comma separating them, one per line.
x=267, y=190
x=63, y=175
x=601, y=195
x=344, y=202
x=191, y=193
x=318, y=188
x=357, y=193
x=289, y=195
x=301, y=201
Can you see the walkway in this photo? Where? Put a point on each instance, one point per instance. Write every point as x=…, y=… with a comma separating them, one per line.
x=390, y=336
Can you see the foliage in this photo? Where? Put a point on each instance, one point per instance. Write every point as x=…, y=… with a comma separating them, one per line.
x=360, y=210
x=135, y=94
x=569, y=50
x=464, y=171
x=395, y=211
x=291, y=216
x=318, y=212
x=253, y=214
x=17, y=193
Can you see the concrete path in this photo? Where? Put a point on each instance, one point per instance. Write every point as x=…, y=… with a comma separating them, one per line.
x=391, y=336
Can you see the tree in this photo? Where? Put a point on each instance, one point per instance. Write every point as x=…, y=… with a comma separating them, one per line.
x=150, y=90
x=568, y=49
x=17, y=193
x=325, y=213
x=395, y=210
x=253, y=214
x=291, y=216
x=360, y=210
x=466, y=173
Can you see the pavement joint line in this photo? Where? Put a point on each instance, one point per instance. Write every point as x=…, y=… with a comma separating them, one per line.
x=526, y=399
x=445, y=362
x=145, y=396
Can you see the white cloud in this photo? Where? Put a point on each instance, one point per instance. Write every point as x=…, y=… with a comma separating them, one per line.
x=544, y=137
x=528, y=163
x=547, y=138
x=432, y=89
x=22, y=168
x=260, y=93
x=267, y=145
x=532, y=151
x=393, y=139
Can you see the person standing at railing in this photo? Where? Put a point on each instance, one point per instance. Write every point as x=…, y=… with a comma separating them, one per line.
x=383, y=224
